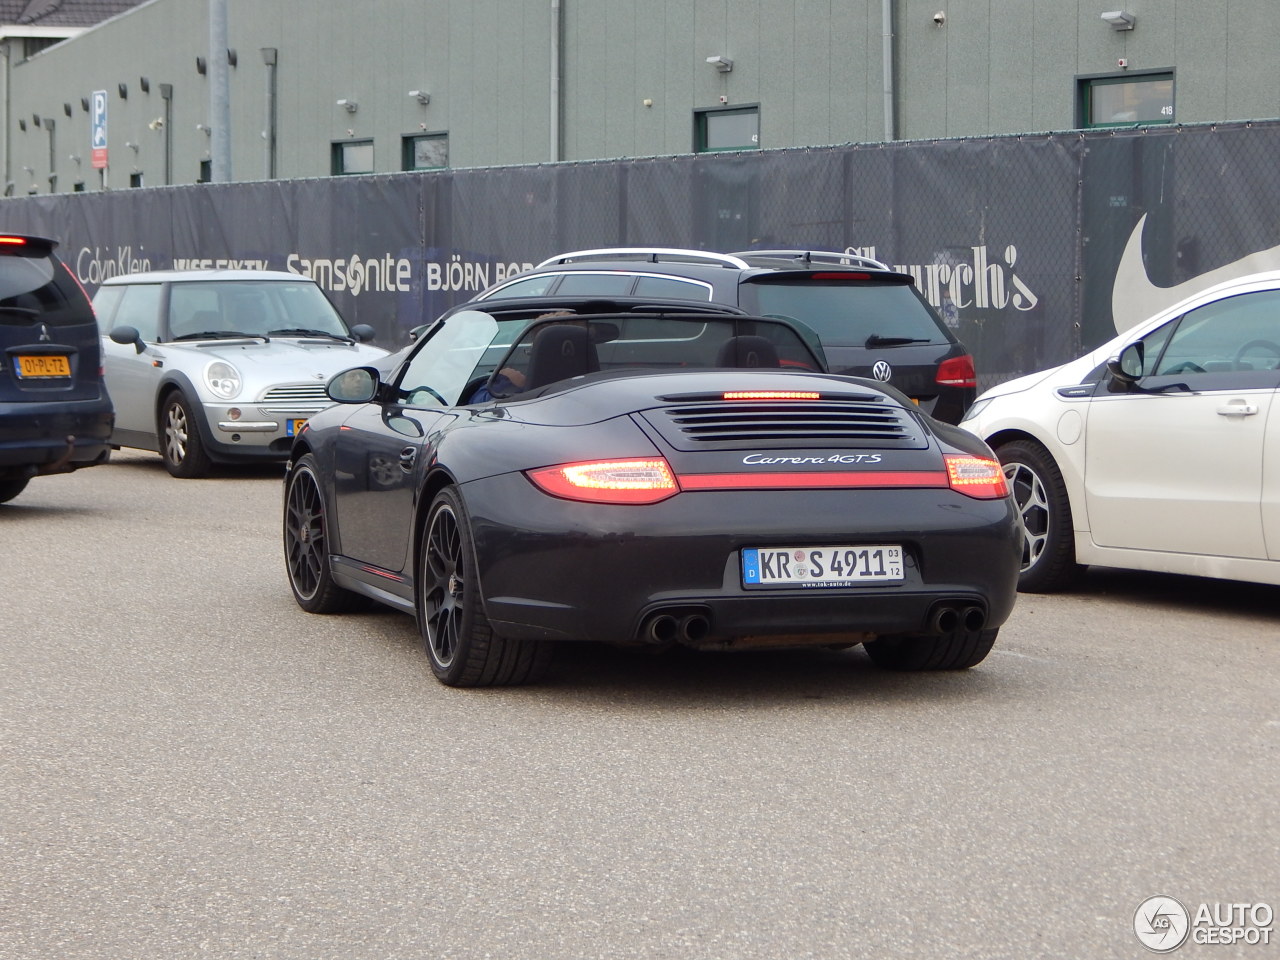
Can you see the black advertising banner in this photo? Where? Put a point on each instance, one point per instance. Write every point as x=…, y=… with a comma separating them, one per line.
x=1032, y=248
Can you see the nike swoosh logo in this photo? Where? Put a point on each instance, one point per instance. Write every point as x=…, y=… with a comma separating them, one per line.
x=1135, y=298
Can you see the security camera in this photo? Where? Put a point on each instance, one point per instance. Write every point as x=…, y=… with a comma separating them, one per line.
x=156, y=124
x=939, y=18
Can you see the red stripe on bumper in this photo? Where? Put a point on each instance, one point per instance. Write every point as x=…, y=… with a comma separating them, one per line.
x=812, y=481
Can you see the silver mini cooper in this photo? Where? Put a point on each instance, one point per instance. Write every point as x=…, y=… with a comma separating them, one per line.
x=220, y=366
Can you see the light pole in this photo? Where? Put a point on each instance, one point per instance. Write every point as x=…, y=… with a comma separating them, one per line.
x=219, y=93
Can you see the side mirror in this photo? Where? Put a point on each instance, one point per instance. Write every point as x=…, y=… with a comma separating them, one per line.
x=357, y=385
x=363, y=332
x=128, y=336
x=1128, y=368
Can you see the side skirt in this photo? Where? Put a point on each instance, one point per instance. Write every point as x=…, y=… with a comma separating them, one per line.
x=384, y=586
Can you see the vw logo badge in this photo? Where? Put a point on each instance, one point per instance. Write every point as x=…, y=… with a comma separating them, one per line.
x=882, y=371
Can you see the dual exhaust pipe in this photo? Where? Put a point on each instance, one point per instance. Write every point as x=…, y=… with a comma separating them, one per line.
x=950, y=619
x=663, y=628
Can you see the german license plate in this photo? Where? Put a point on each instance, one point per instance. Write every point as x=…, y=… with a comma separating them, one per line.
x=32, y=367
x=294, y=425
x=844, y=566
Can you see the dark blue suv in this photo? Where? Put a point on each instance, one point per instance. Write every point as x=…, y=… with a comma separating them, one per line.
x=55, y=414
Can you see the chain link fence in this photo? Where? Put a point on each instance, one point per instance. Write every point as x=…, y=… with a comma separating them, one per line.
x=1016, y=241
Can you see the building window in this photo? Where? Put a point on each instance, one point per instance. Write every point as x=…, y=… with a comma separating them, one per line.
x=729, y=128
x=135, y=179
x=1120, y=100
x=352, y=156
x=206, y=171
x=78, y=187
x=428, y=151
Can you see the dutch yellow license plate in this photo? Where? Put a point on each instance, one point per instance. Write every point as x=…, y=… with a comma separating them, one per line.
x=34, y=367
x=295, y=425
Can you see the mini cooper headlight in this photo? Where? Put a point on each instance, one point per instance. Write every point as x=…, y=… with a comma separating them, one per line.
x=222, y=379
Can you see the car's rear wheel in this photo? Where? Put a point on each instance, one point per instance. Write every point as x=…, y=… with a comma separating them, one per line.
x=11, y=488
x=306, y=544
x=457, y=635
x=954, y=651
x=1048, y=537
x=180, y=443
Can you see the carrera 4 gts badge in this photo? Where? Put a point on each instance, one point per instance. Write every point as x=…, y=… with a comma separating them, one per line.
x=759, y=459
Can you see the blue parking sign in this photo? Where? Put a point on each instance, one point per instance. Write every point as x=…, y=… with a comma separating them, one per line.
x=98, y=130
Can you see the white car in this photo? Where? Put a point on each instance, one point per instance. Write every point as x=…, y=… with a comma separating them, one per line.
x=1159, y=450
x=220, y=366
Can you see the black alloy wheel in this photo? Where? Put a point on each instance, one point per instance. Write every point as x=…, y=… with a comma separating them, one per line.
x=457, y=636
x=306, y=544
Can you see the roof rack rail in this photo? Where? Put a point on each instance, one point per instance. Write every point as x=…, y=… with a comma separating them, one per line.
x=651, y=254
x=818, y=256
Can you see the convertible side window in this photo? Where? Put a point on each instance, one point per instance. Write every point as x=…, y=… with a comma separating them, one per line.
x=1239, y=335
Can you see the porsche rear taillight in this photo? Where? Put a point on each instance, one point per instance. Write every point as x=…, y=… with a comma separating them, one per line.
x=608, y=481
x=957, y=372
x=976, y=477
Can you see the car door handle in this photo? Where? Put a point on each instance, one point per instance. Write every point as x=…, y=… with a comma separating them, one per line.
x=408, y=456
x=1238, y=408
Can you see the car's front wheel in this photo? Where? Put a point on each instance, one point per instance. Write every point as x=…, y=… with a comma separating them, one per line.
x=953, y=651
x=306, y=544
x=1048, y=535
x=180, y=444
x=11, y=488
x=464, y=650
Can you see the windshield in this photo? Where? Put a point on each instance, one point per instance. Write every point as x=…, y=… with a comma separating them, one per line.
x=457, y=356
x=849, y=314
x=564, y=347
x=256, y=308
x=471, y=357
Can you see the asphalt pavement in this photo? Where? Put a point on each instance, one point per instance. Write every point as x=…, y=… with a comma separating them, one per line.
x=190, y=766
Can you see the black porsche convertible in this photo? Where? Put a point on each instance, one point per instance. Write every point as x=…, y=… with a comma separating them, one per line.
x=636, y=474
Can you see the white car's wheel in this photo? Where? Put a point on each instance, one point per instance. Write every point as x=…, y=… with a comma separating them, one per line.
x=1048, y=544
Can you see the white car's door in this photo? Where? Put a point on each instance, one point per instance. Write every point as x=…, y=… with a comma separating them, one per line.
x=1271, y=483
x=1176, y=464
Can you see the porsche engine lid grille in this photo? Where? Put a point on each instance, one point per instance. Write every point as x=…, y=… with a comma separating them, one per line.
x=862, y=422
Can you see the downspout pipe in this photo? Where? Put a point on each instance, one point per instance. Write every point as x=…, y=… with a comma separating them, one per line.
x=887, y=58
x=557, y=22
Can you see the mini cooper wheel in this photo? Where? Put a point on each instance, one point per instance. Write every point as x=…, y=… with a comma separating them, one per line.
x=458, y=637
x=954, y=651
x=180, y=443
x=1048, y=544
x=306, y=544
